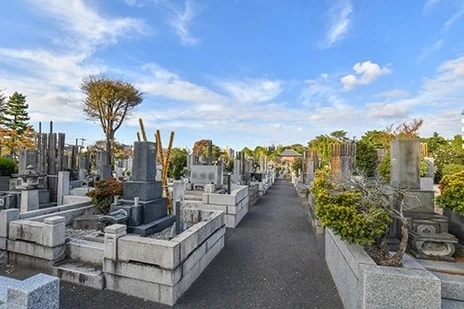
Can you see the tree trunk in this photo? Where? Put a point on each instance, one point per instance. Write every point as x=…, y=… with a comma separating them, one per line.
x=109, y=150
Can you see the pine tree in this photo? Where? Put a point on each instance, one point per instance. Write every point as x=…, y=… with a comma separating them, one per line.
x=16, y=115
x=2, y=109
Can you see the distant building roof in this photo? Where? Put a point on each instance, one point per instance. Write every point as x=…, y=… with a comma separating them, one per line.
x=290, y=153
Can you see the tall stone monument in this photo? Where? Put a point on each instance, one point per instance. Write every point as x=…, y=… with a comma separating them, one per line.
x=428, y=231
x=142, y=195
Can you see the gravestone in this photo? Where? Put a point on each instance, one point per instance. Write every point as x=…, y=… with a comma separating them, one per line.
x=428, y=231
x=102, y=165
x=27, y=157
x=343, y=160
x=142, y=195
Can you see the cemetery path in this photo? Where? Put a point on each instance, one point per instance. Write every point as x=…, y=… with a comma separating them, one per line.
x=271, y=260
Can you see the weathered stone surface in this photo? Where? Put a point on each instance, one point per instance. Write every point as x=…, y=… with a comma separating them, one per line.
x=39, y=291
x=404, y=159
x=35, y=250
x=139, y=288
x=164, y=253
x=394, y=287
x=146, y=272
x=6, y=216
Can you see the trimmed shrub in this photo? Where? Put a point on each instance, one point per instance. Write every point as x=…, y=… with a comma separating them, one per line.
x=453, y=168
x=348, y=213
x=452, y=192
x=105, y=191
x=7, y=166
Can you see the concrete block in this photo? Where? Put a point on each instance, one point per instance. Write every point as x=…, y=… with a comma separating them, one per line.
x=34, y=250
x=232, y=210
x=215, y=237
x=188, y=241
x=6, y=216
x=164, y=253
x=193, y=258
x=39, y=291
x=86, y=251
x=135, y=287
x=53, y=231
x=3, y=243
x=145, y=272
x=452, y=286
x=30, y=231
x=343, y=267
x=407, y=288
x=211, y=253
x=169, y=295
x=81, y=274
x=112, y=234
x=230, y=221
x=73, y=199
x=222, y=199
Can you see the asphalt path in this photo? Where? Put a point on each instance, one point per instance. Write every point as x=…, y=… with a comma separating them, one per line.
x=271, y=260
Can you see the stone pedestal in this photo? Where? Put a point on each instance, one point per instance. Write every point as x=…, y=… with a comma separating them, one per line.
x=29, y=200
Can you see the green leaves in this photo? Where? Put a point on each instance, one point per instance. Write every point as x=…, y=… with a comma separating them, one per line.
x=452, y=192
x=346, y=213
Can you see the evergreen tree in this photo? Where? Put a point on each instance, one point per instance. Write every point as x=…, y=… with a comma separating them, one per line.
x=16, y=115
x=2, y=109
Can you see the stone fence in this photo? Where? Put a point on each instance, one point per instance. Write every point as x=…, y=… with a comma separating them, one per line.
x=234, y=205
x=361, y=283
x=161, y=270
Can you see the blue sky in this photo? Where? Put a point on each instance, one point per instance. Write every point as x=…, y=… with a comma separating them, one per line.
x=242, y=73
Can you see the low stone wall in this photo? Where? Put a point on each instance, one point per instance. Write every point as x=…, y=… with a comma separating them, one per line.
x=363, y=284
x=253, y=194
x=234, y=205
x=32, y=243
x=313, y=219
x=161, y=270
x=39, y=291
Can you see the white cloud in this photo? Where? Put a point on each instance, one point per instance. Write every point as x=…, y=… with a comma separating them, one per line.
x=436, y=46
x=366, y=73
x=163, y=83
x=430, y=4
x=51, y=77
x=253, y=90
x=340, y=15
x=382, y=110
x=393, y=94
x=181, y=21
x=84, y=27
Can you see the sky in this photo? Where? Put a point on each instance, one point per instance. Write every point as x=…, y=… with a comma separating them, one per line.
x=242, y=73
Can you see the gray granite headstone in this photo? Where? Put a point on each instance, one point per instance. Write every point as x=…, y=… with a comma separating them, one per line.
x=144, y=163
x=27, y=157
x=404, y=160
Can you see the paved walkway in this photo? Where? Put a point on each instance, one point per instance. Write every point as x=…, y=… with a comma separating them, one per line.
x=271, y=260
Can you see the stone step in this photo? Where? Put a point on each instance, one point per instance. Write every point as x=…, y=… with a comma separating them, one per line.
x=191, y=197
x=77, y=272
x=152, y=227
x=86, y=251
x=452, y=286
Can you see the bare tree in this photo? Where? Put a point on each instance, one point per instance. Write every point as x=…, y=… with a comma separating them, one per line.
x=109, y=102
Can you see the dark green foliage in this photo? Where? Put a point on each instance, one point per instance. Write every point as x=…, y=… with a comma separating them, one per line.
x=435, y=142
x=230, y=166
x=7, y=166
x=452, y=192
x=445, y=156
x=297, y=165
x=366, y=158
x=105, y=191
x=178, y=163
x=15, y=113
x=353, y=215
x=453, y=168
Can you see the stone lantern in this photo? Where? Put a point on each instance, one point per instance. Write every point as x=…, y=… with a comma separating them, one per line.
x=30, y=178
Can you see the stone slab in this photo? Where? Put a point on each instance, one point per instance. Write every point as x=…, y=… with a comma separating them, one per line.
x=145, y=272
x=407, y=288
x=164, y=253
x=81, y=274
x=145, y=191
x=135, y=287
x=152, y=227
x=35, y=250
x=39, y=291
